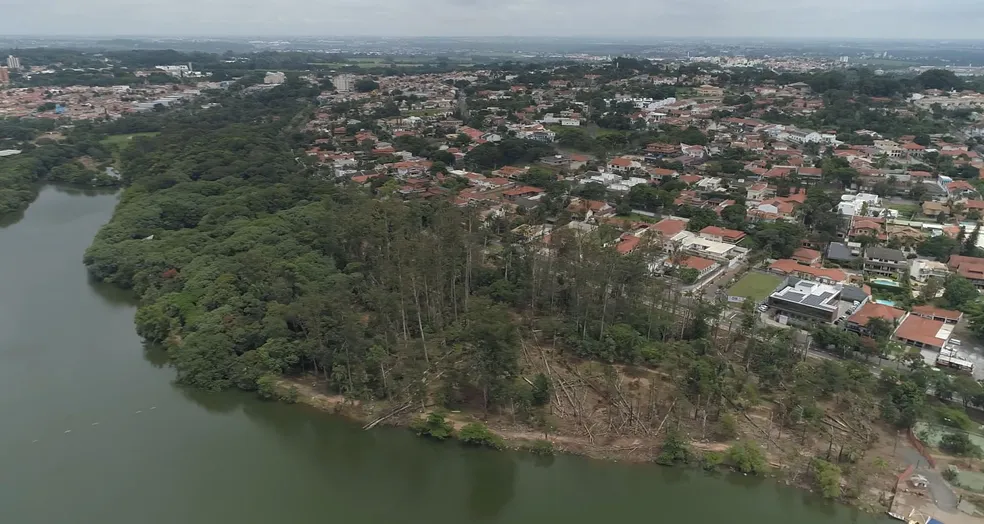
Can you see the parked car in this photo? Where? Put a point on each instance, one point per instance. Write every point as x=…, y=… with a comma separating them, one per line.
x=955, y=341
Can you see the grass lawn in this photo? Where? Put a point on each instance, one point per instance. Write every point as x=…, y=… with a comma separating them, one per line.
x=755, y=286
x=117, y=140
x=906, y=210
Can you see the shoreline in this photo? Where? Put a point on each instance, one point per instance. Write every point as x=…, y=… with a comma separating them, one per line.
x=632, y=450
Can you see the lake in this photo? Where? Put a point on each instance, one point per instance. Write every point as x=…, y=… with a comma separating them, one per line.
x=92, y=430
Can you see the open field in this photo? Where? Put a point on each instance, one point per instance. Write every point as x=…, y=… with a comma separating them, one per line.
x=116, y=140
x=755, y=286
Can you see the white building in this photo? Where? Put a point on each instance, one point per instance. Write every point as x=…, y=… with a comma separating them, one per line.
x=343, y=83
x=13, y=62
x=175, y=70
x=863, y=204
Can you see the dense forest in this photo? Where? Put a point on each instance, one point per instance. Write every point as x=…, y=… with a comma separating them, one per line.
x=251, y=266
x=78, y=159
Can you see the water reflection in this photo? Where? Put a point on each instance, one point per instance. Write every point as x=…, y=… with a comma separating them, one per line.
x=84, y=191
x=155, y=354
x=112, y=294
x=492, y=483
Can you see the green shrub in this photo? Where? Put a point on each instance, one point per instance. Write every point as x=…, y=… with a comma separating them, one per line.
x=711, y=460
x=478, y=434
x=950, y=473
x=827, y=477
x=676, y=450
x=434, y=426
x=747, y=457
x=959, y=444
x=542, y=447
x=727, y=427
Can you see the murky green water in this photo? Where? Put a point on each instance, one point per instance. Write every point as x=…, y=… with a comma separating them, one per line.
x=93, y=431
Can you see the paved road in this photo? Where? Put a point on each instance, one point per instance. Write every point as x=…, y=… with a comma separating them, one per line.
x=943, y=496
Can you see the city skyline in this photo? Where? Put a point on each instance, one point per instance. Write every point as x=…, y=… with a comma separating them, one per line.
x=875, y=19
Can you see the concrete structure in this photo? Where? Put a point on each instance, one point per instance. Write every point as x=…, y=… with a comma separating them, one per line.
x=806, y=302
x=4, y=75
x=13, y=62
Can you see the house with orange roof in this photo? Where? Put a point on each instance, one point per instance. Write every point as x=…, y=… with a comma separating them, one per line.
x=923, y=333
x=510, y=171
x=627, y=243
x=971, y=268
x=622, y=164
x=703, y=266
x=791, y=267
x=721, y=234
x=668, y=228
x=807, y=257
x=947, y=316
x=858, y=322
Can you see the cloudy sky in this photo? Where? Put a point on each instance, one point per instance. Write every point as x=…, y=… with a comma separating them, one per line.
x=899, y=19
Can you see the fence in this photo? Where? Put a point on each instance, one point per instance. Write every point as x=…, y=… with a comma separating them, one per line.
x=920, y=447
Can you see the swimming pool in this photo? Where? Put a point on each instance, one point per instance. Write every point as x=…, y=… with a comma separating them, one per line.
x=885, y=282
x=884, y=302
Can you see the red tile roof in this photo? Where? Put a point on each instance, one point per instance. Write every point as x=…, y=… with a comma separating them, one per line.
x=875, y=310
x=805, y=255
x=920, y=329
x=668, y=227
x=933, y=311
x=729, y=234
x=621, y=162
x=525, y=190
x=626, y=243
x=789, y=266
x=698, y=263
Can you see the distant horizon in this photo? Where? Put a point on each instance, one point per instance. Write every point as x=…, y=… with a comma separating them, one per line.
x=628, y=19
x=594, y=39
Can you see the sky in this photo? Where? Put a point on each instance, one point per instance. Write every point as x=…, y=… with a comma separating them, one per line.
x=895, y=19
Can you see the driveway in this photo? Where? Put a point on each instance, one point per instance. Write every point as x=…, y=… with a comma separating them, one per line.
x=943, y=496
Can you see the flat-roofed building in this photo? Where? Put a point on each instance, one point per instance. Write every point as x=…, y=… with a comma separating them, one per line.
x=806, y=302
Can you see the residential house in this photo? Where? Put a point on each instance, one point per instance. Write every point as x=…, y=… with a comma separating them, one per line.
x=885, y=262
x=791, y=267
x=703, y=266
x=720, y=234
x=922, y=270
x=623, y=165
x=971, y=268
x=759, y=192
x=947, y=316
x=806, y=256
x=668, y=228
x=923, y=333
x=807, y=302
x=858, y=322
x=840, y=253
x=521, y=192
